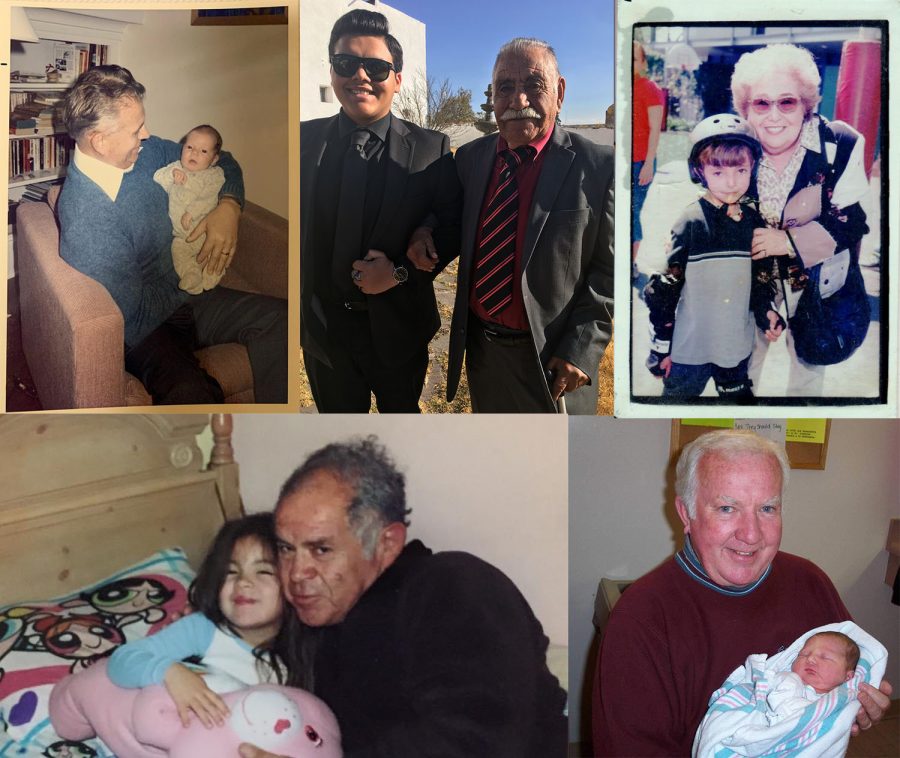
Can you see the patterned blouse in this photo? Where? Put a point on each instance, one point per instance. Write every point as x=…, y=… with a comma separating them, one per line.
x=774, y=188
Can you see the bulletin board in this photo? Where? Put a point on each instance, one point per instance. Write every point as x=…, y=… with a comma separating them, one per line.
x=808, y=455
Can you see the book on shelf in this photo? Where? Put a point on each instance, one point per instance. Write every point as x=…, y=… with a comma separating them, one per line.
x=37, y=192
x=31, y=155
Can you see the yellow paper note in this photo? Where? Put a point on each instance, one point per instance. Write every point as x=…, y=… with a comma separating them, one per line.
x=724, y=423
x=806, y=430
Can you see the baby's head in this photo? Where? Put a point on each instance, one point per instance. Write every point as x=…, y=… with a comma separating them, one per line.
x=200, y=148
x=826, y=660
x=724, y=156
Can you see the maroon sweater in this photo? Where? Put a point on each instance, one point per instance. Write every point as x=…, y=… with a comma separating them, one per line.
x=671, y=642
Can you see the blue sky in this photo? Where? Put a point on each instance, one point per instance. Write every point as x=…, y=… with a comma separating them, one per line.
x=462, y=38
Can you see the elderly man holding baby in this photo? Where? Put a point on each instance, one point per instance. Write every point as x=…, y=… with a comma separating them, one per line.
x=677, y=632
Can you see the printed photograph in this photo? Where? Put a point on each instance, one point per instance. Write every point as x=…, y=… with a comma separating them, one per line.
x=148, y=209
x=759, y=249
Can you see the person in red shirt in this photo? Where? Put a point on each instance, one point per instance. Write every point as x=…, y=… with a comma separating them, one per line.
x=647, y=116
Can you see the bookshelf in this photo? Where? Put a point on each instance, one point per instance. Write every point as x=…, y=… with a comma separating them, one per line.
x=81, y=32
x=69, y=43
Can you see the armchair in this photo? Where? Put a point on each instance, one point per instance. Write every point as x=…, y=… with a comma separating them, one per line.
x=73, y=332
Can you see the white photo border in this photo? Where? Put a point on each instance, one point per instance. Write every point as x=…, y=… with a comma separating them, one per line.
x=631, y=13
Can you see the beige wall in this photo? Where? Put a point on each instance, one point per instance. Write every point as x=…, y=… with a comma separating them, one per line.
x=495, y=490
x=233, y=77
x=622, y=523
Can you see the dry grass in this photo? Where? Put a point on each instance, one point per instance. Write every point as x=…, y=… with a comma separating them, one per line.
x=306, y=398
x=605, y=380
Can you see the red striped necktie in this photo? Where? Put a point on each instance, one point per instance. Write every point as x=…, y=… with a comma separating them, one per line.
x=495, y=260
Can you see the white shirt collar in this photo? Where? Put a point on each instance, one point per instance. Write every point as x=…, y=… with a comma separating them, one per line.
x=105, y=176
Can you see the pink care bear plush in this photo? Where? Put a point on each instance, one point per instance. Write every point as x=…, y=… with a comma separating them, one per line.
x=143, y=723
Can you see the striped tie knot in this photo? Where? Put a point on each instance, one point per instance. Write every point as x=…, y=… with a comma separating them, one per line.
x=515, y=158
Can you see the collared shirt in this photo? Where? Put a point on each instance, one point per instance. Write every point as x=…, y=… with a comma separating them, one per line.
x=514, y=315
x=105, y=176
x=374, y=148
x=774, y=187
x=326, y=207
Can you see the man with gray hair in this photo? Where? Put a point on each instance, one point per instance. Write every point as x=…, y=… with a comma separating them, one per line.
x=533, y=310
x=417, y=653
x=115, y=228
x=677, y=632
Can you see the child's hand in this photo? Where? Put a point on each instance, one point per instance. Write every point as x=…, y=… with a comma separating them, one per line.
x=776, y=326
x=187, y=220
x=179, y=176
x=659, y=364
x=191, y=694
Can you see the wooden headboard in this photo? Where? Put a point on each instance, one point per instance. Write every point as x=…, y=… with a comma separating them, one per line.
x=84, y=495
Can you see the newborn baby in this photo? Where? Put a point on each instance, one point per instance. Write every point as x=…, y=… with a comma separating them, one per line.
x=827, y=660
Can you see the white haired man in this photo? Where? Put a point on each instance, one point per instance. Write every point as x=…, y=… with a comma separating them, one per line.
x=677, y=632
x=417, y=653
x=533, y=310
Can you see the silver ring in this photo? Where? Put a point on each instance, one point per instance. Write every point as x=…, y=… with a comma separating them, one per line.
x=356, y=275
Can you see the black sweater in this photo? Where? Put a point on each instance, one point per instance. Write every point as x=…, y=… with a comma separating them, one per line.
x=442, y=656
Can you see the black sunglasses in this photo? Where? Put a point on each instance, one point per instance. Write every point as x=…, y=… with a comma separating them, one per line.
x=347, y=65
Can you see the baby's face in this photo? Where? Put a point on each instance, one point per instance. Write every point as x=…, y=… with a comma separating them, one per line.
x=728, y=184
x=198, y=151
x=822, y=664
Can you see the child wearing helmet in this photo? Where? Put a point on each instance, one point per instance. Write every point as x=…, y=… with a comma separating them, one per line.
x=702, y=309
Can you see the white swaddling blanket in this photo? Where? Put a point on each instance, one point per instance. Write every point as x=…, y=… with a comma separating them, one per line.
x=736, y=723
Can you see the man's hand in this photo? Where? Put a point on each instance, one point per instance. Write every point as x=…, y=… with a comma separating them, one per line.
x=768, y=242
x=872, y=705
x=220, y=227
x=421, y=250
x=567, y=377
x=645, y=176
x=776, y=326
x=191, y=694
x=374, y=274
x=249, y=751
x=178, y=176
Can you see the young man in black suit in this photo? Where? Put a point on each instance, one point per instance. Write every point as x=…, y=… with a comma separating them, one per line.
x=368, y=179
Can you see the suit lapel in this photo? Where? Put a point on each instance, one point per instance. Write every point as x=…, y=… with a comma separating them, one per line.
x=309, y=177
x=309, y=174
x=401, y=149
x=557, y=162
x=482, y=162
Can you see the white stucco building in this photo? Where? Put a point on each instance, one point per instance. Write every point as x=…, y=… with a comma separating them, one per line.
x=316, y=19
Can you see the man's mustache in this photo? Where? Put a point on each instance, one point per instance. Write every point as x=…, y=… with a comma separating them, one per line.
x=511, y=115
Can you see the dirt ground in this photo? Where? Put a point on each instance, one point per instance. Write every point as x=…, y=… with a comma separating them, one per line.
x=433, y=398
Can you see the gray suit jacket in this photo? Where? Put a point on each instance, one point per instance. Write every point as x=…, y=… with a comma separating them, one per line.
x=567, y=271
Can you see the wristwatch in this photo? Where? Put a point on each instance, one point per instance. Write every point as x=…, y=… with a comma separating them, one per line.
x=400, y=274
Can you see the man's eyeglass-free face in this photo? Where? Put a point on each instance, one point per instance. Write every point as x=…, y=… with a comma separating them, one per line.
x=347, y=65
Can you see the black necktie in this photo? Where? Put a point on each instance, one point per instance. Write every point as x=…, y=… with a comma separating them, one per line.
x=348, y=233
x=495, y=260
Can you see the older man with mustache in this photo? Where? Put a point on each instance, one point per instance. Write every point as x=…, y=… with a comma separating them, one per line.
x=533, y=309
